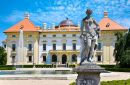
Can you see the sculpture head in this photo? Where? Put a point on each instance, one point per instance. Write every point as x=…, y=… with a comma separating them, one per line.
x=89, y=11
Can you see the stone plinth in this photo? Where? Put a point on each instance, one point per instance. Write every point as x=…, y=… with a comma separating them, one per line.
x=88, y=73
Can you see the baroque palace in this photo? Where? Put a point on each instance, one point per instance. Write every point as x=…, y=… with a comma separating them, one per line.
x=59, y=44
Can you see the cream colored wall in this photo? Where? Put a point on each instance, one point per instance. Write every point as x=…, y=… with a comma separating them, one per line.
x=34, y=38
x=106, y=39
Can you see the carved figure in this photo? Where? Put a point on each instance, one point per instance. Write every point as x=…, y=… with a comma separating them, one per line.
x=92, y=35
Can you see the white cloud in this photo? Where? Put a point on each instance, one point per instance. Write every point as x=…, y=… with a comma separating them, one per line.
x=39, y=10
x=36, y=4
x=128, y=2
x=14, y=17
x=124, y=22
x=59, y=2
x=74, y=10
x=57, y=8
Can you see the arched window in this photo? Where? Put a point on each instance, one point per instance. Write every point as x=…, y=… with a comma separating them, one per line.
x=74, y=58
x=54, y=58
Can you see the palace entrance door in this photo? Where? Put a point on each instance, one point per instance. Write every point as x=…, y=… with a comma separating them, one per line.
x=64, y=59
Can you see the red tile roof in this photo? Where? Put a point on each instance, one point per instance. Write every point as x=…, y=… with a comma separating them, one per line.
x=27, y=26
x=4, y=40
x=112, y=25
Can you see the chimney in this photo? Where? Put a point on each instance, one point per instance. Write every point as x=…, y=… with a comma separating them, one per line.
x=53, y=26
x=38, y=27
x=44, y=26
x=78, y=24
x=105, y=14
x=26, y=15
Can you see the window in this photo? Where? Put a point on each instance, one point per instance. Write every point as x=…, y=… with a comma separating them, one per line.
x=30, y=46
x=54, y=46
x=54, y=58
x=13, y=58
x=44, y=46
x=99, y=46
x=54, y=35
x=74, y=58
x=44, y=35
x=4, y=46
x=98, y=57
x=30, y=58
x=74, y=35
x=13, y=35
x=29, y=35
x=44, y=58
x=64, y=46
x=74, y=46
x=13, y=47
x=108, y=25
x=64, y=35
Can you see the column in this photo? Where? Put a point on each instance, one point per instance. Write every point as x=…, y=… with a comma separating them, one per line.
x=8, y=52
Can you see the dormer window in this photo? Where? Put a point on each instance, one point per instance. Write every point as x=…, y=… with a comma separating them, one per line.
x=108, y=25
x=21, y=27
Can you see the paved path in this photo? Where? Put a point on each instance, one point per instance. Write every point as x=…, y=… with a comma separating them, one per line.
x=122, y=76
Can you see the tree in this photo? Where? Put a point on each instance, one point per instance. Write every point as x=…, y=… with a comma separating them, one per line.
x=3, y=56
x=122, y=49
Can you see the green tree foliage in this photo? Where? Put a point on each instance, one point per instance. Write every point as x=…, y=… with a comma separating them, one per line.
x=3, y=56
x=122, y=49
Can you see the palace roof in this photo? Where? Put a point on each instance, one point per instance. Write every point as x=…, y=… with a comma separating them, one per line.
x=4, y=41
x=28, y=26
x=108, y=24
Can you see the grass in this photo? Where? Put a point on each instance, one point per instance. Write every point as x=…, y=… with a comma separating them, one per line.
x=114, y=82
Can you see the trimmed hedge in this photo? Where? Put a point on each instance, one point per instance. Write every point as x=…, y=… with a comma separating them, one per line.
x=108, y=68
x=114, y=82
x=117, y=69
x=7, y=68
x=29, y=66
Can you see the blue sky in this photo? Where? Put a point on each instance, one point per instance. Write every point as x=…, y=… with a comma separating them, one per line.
x=54, y=11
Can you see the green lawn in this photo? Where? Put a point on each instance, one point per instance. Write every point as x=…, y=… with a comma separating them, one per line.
x=114, y=82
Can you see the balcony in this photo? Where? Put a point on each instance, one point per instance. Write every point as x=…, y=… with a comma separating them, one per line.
x=13, y=52
x=30, y=51
x=64, y=51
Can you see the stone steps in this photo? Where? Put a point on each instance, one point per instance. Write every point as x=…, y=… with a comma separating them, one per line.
x=61, y=65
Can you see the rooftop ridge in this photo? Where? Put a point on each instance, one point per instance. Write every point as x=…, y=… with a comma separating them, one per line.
x=115, y=22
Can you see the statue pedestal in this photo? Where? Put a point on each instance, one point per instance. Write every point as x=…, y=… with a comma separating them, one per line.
x=88, y=73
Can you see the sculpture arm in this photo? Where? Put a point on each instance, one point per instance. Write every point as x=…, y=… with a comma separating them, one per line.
x=98, y=30
x=97, y=25
x=82, y=25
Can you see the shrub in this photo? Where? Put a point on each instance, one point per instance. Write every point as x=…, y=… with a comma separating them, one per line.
x=3, y=56
x=71, y=65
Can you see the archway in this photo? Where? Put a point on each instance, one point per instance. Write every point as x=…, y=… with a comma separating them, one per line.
x=54, y=58
x=74, y=58
x=64, y=59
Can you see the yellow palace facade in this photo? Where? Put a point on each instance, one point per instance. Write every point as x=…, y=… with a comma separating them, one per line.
x=59, y=44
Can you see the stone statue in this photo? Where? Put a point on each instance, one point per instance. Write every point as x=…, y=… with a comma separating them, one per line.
x=88, y=71
x=92, y=35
